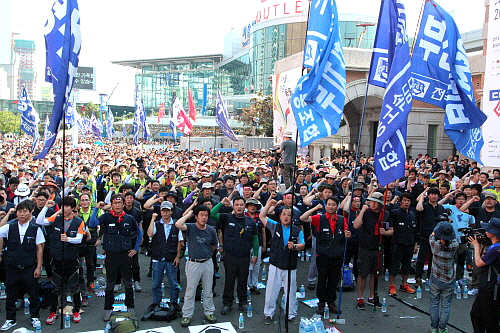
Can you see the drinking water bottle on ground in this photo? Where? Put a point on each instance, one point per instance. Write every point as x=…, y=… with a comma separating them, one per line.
x=326, y=313
x=26, y=306
x=419, y=292
x=241, y=321
x=466, y=292
x=458, y=291
x=67, y=321
x=384, y=305
x=302, y=291
x=249, y=310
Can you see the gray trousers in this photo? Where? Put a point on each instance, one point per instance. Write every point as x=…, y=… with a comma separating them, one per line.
x=312, y=275
x=194, y=273
x=287, y=173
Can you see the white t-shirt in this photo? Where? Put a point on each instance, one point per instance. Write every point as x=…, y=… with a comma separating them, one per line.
x=4, y=232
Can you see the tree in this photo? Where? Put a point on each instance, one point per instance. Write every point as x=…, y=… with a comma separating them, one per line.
x=88, y=108
x=9, y=122
x=260, y=113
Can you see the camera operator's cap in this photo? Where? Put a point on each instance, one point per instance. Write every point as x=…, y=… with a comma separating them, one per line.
x=253, y=201
x=444, y=230
x=377, y=197
x=166, y=205
x=488, y=194
x=287, y=134
x=493, y=227
x=207, y=185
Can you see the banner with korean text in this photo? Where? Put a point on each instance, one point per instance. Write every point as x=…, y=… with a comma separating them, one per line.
x=283, y=119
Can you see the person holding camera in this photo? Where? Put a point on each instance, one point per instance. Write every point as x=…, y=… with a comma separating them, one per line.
x=289, y=151
x=484, y=313
x=444, y=246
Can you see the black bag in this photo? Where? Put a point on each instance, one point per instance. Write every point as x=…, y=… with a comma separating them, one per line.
x=45, y=293
x=166, y=312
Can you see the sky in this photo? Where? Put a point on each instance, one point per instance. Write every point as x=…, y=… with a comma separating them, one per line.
x=119, y=30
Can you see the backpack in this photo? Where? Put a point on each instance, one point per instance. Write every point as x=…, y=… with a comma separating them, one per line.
x=348, y=283
x=163, y=312
x=123, y=322
x=45, y=293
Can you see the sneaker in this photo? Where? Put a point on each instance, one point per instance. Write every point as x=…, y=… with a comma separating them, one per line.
x=137, y=286
x=293, y=320
x=107, y=315
x=91, y=287
x=361, y=304
x=225, y=310
x=210, y=319
x=8, y=325
x=118, y=287
x=52, y=318
x=372, y=302
x=185, y=321
x=268, y=320
x=473, y=292
x=407, y=289
x=76, y=317
x=434, y=330
x=392, y=290
x=35, y=322
x=444, y=331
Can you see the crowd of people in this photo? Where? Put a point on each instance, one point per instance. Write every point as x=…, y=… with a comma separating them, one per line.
x=59, y=212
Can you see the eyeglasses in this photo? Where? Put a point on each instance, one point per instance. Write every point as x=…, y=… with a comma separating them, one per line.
x=75, y=211
x=84, y=199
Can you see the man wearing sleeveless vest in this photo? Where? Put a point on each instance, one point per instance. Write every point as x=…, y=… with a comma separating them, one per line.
x=330, y=231
x=287, y=239
x=67, y=235
x=23, y=260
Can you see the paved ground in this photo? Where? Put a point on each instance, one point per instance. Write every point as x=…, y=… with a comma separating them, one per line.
x=398, y=318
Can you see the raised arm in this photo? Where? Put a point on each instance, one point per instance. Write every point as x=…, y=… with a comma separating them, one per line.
x=306, y=217
x=265, y=210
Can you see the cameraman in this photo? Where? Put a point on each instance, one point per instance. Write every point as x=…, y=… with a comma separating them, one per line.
x=289, y=150
x=484, y=313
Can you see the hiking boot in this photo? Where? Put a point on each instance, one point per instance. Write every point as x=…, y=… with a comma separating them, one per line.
x=185, y=321
x=8, y=325
x=406, y=288
x=392, y=290
x=268, y=320
x=372, y=302
x=210, y=319
x=76, y=317
x=333, y=307
x=321, y=308
x=107, y=315
x=52, y=318
x=361, y=304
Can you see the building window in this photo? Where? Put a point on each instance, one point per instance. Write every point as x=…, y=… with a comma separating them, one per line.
x=432, y=140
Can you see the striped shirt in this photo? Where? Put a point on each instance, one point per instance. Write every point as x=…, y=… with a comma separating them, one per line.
x=443, y=259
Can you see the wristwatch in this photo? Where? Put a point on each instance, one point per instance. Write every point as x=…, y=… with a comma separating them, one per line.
x=295, y=246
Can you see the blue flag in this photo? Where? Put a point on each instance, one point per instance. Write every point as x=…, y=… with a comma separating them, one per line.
x=29, y=117
x=70, y=115
x=94, y=127
x=383, y=48
x=318, y=99
x=390, y=145
x=109, y=126
x=222, y=118
x=124, y=128
x=63, y=43
x=442, y=77
x=138, y=116
x=46, y=130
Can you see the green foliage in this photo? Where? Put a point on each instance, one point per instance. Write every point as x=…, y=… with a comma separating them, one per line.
x=9, y=122
x=88, y=108
x=262, y=108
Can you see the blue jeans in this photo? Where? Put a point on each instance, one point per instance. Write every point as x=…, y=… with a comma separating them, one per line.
x=159, y=268
x=441, y=294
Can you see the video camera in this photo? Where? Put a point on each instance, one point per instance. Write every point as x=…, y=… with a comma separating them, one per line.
x=445, y=217
x=480, y=234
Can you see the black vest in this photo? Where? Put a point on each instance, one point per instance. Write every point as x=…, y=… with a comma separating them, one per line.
x=330, y=244
x=280, y=252
x=428, y=219
x=163, y=247
x=118, y=236
x=237, y=242
x=56, y=246
x=404, y=225
x=21, y=254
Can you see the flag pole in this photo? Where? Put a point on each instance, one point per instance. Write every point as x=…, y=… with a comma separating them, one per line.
x=418, y=26
x=215, y=136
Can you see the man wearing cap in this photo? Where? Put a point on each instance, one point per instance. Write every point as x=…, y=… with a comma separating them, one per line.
x=496, y=188
x=289, y=151
x=372, y=222
x=118, y=230
x=240, y=236
x=484, y=313
x=444, y=246
x=166, y=247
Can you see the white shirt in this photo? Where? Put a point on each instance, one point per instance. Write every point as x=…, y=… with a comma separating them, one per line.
x=168, y=228
x=4, y=232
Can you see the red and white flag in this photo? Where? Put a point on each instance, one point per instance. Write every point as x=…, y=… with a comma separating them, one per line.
x=161, y=113
x=192, y=107
x=182, y=121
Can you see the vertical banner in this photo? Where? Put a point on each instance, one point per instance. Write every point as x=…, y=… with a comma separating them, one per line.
x=204, y=101
x=490, y=153
x=222, y=118
x=283, y=119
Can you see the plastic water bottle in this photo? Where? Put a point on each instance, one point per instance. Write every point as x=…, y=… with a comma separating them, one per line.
x=2, y=289
x=67, y=321
x=241, y=321
x=249, y=310
x=107, y=329
x=264, y=273
x=419, y=292
x=338, y=321
x=302, y=325
x=302, y=291
x=466, y=292
x=458, y=291
x=386, y=275
x=38, y=328
x=249, y=294
x=326, y=313
x=162, y=289
x=427, y=285
x=303, y=256
x=384, y=305
x=318, y=325
x=26, y=306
